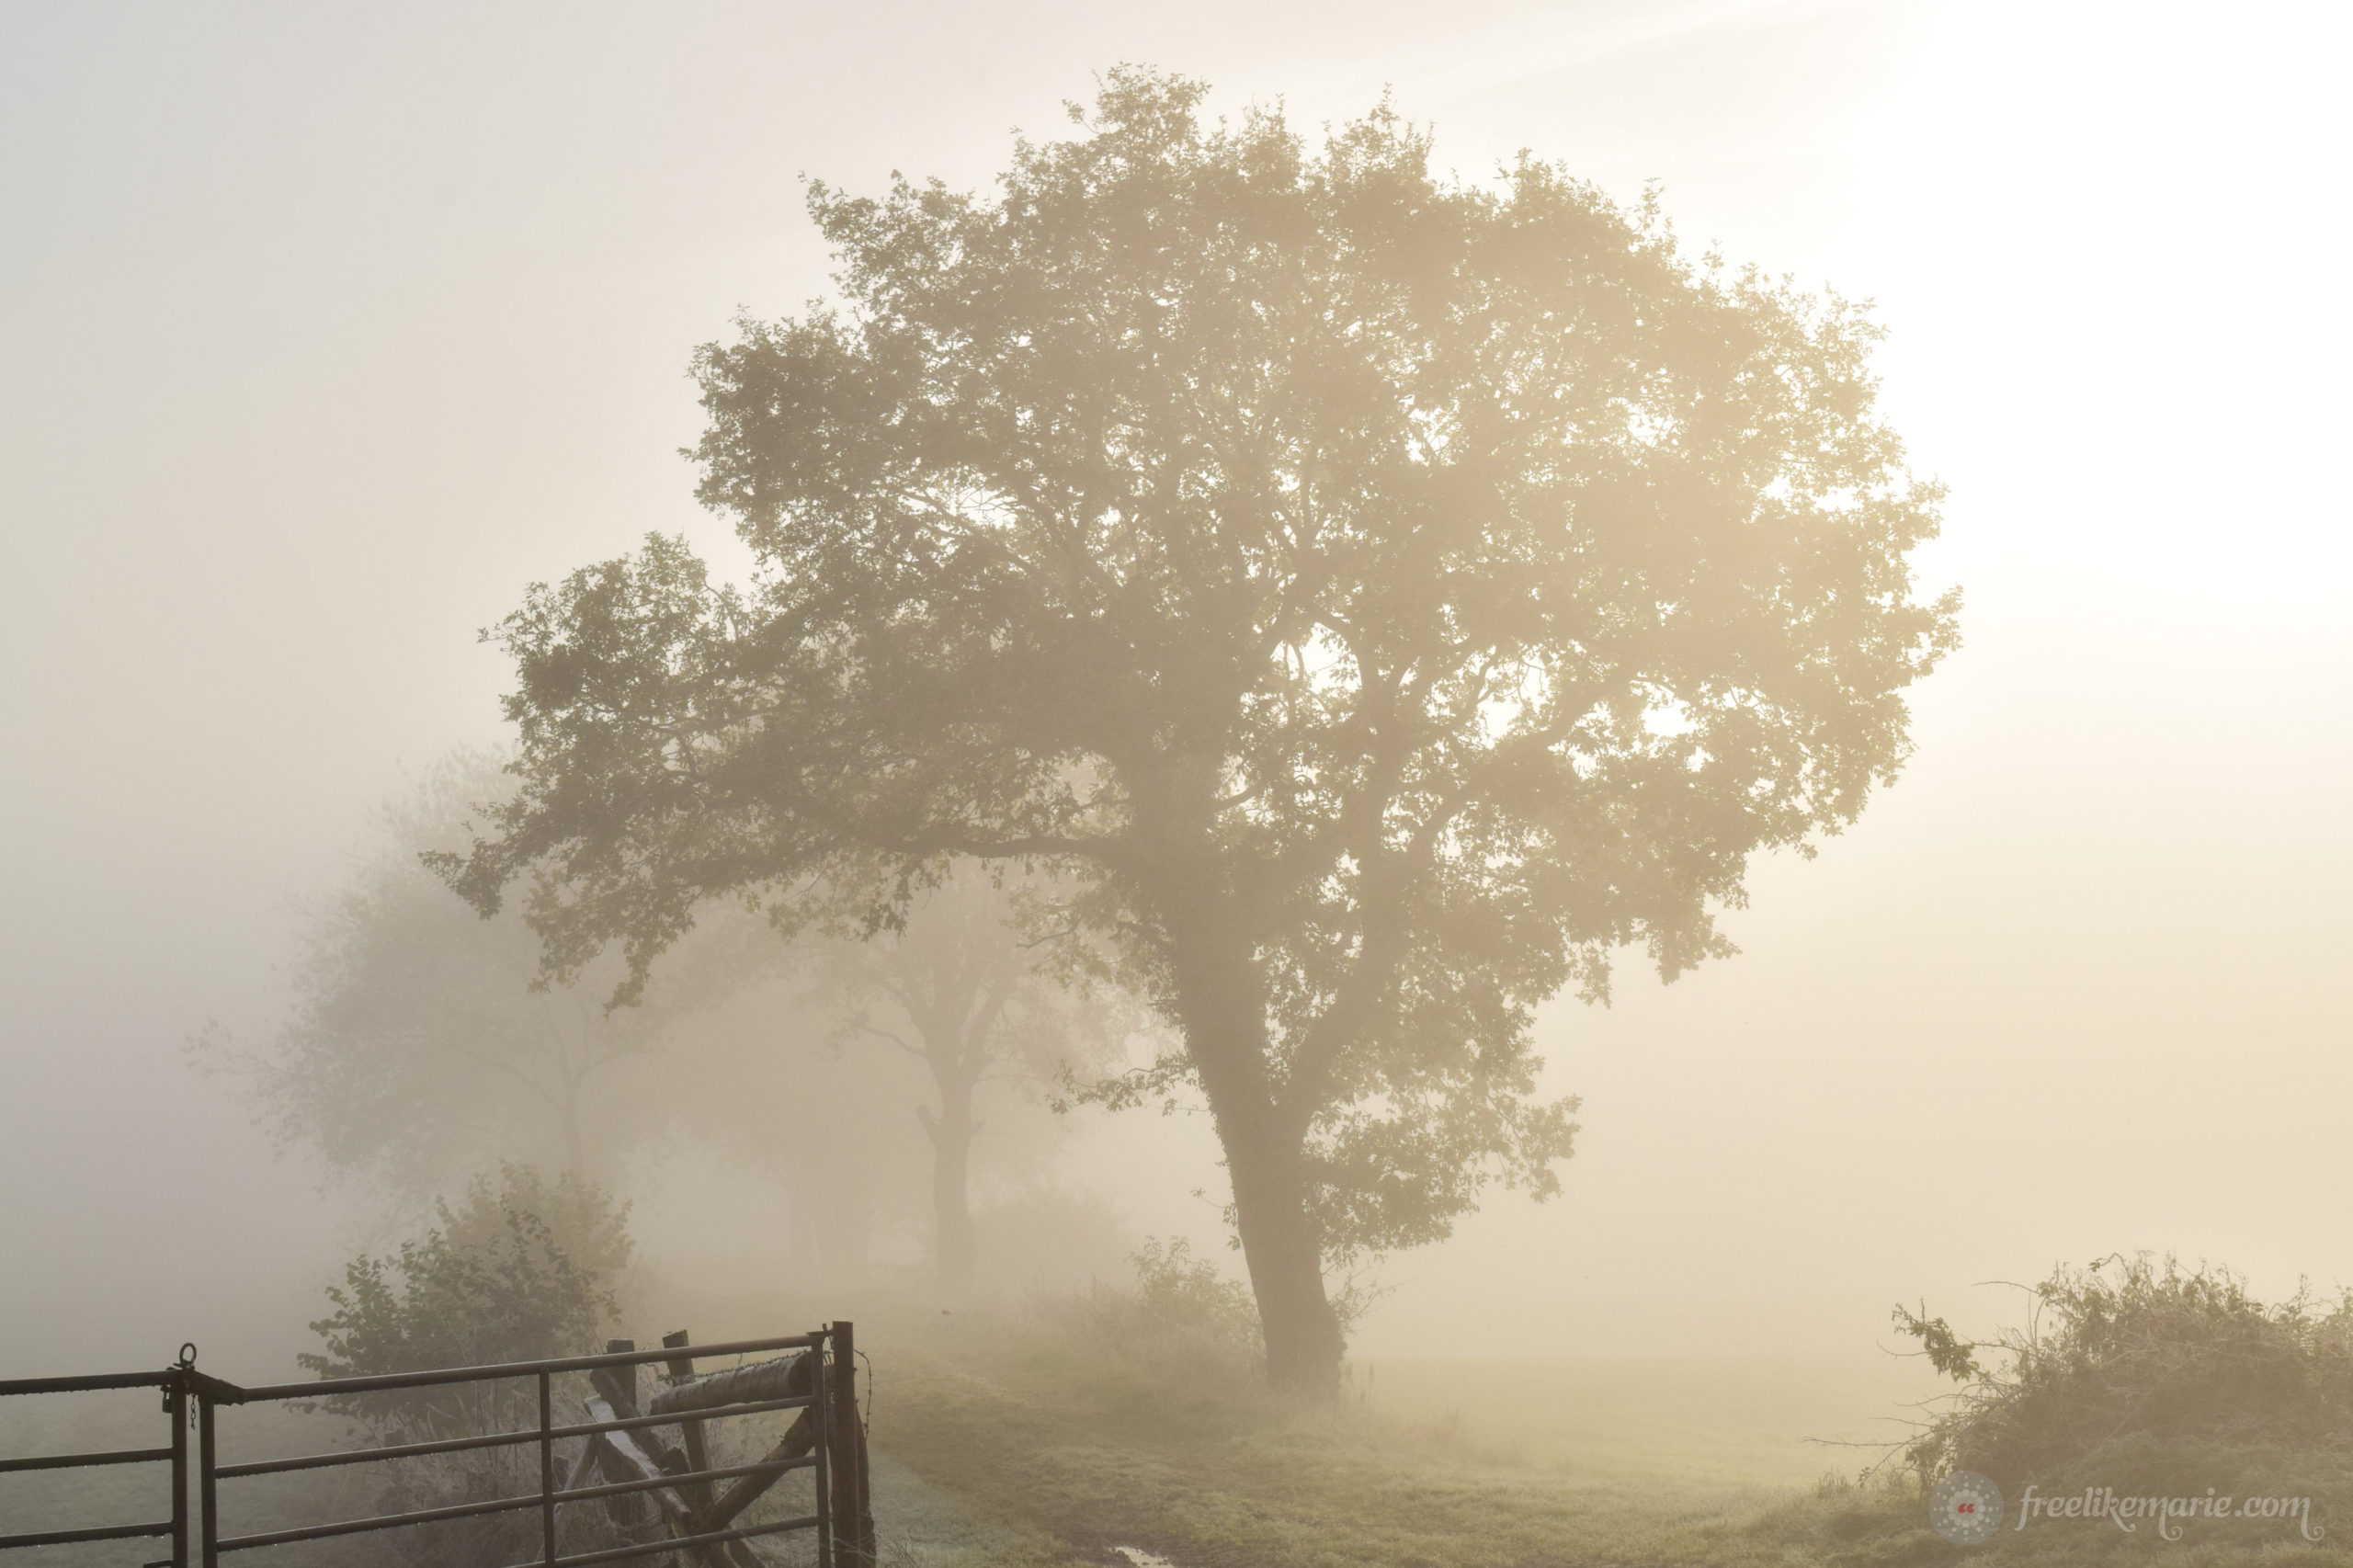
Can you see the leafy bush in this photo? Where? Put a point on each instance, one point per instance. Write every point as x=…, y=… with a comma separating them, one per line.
x=2131, y=1356
x=1182, y=1317
x=521, y=1270
x=1188, y=1297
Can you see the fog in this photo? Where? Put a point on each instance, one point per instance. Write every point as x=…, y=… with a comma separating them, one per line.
x=327, y=332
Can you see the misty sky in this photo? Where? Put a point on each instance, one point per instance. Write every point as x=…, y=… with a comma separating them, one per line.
x=325, y=329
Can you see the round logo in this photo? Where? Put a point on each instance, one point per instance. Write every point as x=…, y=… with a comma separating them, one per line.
x=1965, y=1508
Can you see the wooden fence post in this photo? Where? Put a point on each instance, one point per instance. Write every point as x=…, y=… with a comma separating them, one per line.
x=853, y=1504
x=636, y=1518
x=697, y=1493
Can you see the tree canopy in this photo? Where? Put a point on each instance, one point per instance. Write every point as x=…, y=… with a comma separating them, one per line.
x=1376, y=597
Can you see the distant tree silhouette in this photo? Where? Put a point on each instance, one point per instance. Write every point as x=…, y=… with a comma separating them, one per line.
x=416, y=1051
x=954, y=989
x=419, y=1048
x=1376, y=598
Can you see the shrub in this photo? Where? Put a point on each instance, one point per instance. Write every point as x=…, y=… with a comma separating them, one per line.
x=2128, y=1358
x=1181, y=1317
x=1188, y=1297
x=521, y=1270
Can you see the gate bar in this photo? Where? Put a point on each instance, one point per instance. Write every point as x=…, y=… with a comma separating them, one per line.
x=493, y=1439
x=76, y=1461
x=209, y=1531
x=319, y=1386
x=175, y=1406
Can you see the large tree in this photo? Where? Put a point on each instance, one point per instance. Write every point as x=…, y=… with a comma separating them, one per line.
x=1378, y=597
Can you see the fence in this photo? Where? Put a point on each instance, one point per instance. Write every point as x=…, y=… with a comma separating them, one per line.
x=696, y=1503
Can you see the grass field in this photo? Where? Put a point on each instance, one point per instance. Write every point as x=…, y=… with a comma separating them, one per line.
x=1750, y=1421
x=1057, y=1453
x=1024, y=1447
x=1025, y=1441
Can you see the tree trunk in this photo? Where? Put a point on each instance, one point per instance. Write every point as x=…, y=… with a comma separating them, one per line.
x=1222, y=1008
x=1286, y=1258
x=956, y=1247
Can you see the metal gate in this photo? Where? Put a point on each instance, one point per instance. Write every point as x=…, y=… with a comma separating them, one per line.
x=603, y=1459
